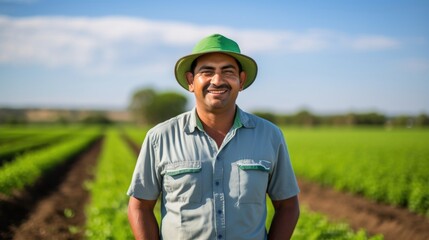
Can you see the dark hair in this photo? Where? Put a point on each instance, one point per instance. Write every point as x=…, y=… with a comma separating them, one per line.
x=194, y=65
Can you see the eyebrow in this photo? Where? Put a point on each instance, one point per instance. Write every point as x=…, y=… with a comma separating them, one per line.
x=206, y=67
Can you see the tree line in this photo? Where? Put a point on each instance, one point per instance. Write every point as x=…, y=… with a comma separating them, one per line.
x=150, y=107
x=306, y=118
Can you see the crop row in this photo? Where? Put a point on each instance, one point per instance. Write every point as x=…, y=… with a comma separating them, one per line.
x=136, y=134
x=15, y=143
x=15, y=133
x=18, y=133
x=107, y=211
x=390, y=166
x=27, y=168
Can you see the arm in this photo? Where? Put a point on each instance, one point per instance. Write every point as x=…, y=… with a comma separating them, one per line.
x=142, y=219
x=285, y=218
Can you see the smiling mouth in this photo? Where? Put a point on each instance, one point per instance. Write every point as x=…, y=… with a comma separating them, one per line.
x=216, y=91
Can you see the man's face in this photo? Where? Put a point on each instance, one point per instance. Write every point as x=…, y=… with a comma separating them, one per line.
x=216, y=82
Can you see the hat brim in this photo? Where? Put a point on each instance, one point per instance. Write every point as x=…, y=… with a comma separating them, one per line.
x=183, y=65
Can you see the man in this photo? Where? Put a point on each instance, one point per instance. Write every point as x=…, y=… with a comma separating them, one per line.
x=214, y=164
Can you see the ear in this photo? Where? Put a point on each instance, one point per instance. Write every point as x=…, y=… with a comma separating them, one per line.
x=242, y=79
x=190, y=79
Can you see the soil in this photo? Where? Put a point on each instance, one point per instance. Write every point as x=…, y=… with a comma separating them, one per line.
x=54, y=208
x=361, y=213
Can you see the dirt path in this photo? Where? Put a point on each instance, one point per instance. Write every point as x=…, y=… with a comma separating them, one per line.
x=358, y=212
x=54, y=208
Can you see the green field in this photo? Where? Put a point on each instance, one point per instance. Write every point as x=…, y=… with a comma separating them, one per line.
x=28, y=166
x=387, y=165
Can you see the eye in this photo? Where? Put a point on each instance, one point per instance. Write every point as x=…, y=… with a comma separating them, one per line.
x=207, y=73
x=229, y=72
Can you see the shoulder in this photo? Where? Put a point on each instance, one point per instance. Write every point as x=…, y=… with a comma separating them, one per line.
x=264, y=129
x=250, y=120
x=170, y=126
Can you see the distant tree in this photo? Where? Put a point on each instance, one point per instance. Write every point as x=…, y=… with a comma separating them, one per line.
x=268, y=116
x=306, y=118
x=12, y=116
x=422, y=120
x=165, y=105
x=63, y=120
x=401, y=120
x=97, y=118
x=140, y=102
x=150, y=107
x=371, y=118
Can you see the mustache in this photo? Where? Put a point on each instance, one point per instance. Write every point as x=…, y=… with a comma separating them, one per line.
x=213, y=86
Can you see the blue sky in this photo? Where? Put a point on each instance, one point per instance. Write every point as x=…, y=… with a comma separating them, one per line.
x=323, y=56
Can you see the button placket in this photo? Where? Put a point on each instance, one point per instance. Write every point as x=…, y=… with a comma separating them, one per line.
x=218, y=186
x=219, y=197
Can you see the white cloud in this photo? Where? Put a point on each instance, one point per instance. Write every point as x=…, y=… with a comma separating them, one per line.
x=374, y=43
x=100, y=43
x=280, y=41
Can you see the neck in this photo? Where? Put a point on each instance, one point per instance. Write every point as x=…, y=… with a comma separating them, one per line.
x=217, y=124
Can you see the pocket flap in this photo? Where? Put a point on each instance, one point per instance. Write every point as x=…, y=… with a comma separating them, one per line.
x=177, y=168
x=261, y=165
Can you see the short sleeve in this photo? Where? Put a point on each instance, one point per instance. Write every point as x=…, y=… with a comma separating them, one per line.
x=283, y=183
x=146, y=182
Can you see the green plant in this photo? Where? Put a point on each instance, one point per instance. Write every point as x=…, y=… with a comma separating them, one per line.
x=384, y=165
x=27, y=168
x=107, y=211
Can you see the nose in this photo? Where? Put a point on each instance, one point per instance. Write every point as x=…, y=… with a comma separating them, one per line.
x=216, y=79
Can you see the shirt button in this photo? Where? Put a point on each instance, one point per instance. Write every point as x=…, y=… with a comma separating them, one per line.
x=217, y=183
x=219, y=211
x=219, y=236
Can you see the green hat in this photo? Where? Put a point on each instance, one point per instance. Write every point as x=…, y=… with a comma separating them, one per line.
x=211, y=44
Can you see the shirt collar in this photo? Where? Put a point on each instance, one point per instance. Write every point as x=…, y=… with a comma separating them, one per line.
x=245, y=120
x=193, y=121
x=241, y=119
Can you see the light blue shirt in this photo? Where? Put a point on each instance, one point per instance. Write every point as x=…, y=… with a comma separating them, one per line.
x=210, y=192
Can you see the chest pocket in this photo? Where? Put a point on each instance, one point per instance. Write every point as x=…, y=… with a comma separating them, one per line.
x=183, y=181
x=252, y=180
